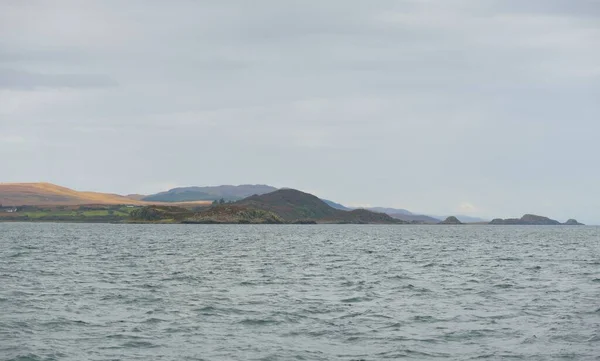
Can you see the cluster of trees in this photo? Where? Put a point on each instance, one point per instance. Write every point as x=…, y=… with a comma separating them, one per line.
x=220, y=201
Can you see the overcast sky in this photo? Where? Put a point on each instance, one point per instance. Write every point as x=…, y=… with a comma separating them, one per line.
x=478, y=107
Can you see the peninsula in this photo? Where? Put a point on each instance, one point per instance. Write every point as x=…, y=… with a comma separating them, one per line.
x=281, y=206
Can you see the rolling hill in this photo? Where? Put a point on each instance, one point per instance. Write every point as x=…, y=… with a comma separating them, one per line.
x=45, y=194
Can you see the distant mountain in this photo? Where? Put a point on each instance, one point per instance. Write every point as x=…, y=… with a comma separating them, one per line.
x=409, y=216
x=335, y=205
x=414, y=218
x=532, y=219
x=296, y=206
x=405, y=215
x=47, y=194
x=227, y=192
x=137, y=197
x=390, y=210
x=465, y=219
x=469, y=219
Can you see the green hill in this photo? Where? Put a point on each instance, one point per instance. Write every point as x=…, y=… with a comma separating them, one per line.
x=295, y=206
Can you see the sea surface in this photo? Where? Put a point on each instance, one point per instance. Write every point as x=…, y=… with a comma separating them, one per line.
x=298, y=292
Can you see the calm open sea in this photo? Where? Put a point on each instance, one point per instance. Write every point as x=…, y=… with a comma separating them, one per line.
x=309, y=292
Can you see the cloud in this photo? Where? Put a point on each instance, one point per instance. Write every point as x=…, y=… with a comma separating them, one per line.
x=467, y=208
x=420, y=104
x=17, y=79
x=12, y=139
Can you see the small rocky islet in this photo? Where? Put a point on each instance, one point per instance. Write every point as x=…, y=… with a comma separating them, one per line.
x=451, y=220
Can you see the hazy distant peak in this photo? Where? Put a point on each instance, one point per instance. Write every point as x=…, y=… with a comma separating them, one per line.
x=210, y=193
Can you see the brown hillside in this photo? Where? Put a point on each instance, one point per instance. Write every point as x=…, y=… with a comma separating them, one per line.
x=47, y=194
x=137, y=197
x=38, y=194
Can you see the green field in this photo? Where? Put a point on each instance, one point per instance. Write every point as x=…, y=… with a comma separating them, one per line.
x=66, y=214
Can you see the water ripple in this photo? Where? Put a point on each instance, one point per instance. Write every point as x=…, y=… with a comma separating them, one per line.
x=325, y=292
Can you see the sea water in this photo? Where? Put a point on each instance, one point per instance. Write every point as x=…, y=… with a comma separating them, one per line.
x=298, y=292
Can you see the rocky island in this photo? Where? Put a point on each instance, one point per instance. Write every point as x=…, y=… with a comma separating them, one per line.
x=532, y=220
x=451, y=220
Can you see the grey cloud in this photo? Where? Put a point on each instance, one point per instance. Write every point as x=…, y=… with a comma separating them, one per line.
x=424, y=104
x=579, y=8
x=17, y=79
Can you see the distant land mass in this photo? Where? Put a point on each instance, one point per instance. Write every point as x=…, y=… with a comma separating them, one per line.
x=335, y=205
x=281, y=206
x=401, y=214
x=137, y=197
x=405, y=215
x=470, y=219
x=50, y=202
x=533, y=220
x=226, y=192
x=235, y=193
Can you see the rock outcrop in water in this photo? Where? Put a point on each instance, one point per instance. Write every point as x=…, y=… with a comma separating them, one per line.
x=532, y=220
x=451, y=220
x=573, y=222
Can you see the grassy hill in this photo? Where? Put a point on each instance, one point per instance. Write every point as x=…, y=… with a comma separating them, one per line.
x=69, y=213
x=293, y=206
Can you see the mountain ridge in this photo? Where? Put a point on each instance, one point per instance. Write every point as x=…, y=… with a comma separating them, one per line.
x=209, y=193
